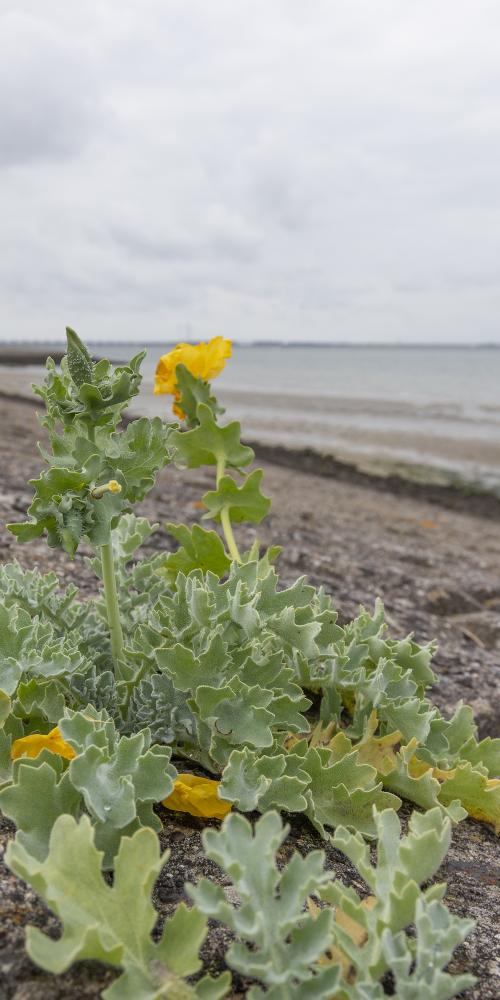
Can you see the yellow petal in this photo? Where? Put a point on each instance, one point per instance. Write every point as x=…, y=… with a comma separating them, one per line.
x=31, y=746
x=204, y=361
x=197, y=796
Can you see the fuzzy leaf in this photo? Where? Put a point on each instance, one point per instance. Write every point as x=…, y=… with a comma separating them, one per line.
x=369, y=936
x=244, y=503
x=30, y=647
x=284, y=944
x=423, y=788
x=64, y=508
x=343, y=792
x=264, y=782
x=40, y=701
x=199, y=549
x=187, y=671
x=119, y=780
x=97, y=400
x=135, y=456
x=80, y=364
x=40, y=792
x=208, y=443
x=478, y=794
x=438, y=933
x=238, y=712
x=484, y=754
x=130, y=533
x=111, y=924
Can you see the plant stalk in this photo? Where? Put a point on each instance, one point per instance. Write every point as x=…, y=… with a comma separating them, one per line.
x=225, y=518
x=111, y=598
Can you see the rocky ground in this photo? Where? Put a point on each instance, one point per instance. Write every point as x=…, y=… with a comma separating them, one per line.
x=433, y=557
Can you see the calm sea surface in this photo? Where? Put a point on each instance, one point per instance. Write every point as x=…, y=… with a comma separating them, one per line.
x=436, y=411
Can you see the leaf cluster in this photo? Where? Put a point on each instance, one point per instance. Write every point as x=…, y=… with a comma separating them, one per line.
x=343, y=949
x=115, y=779
x=87, y=450
x=84, y=392
x=208, y=443
x=257, y=683
x=300, y=933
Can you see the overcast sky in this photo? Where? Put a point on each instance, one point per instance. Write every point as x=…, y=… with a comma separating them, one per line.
x=272, y=169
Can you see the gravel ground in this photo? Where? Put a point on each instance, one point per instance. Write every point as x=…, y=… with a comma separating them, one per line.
x=436, y=566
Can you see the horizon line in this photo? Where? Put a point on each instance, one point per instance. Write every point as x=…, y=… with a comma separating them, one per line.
x=387, y=344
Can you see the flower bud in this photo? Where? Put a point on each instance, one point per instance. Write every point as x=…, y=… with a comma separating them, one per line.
x=80, y=364
x=113, y=486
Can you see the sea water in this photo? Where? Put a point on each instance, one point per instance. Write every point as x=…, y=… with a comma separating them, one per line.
x=432, y=410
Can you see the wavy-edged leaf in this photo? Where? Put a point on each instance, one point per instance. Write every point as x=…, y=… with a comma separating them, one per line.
x=135, y=456
x=198, y=549
x=111, y=924
x=208, y=443
x=244, y=503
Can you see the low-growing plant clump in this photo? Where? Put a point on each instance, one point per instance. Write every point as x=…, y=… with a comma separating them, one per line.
x=197, y=659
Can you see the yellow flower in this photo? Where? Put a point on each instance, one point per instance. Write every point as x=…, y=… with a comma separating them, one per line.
x=205, y=361
x=31, y=746
x=197, y=796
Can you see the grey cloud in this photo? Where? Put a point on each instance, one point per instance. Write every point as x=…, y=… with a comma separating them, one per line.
x=48, y=101
x=142, y=244
x=286, y=169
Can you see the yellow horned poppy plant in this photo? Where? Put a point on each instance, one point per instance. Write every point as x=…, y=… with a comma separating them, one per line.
x=31, y=746
x=197, y=796
x=205, y=361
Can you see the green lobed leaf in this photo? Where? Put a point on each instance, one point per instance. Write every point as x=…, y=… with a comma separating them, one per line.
x=343, y=791
x=135, y=456
x=63, y=507
x=244, y=503
x=199, y=549
x=31, y=647
x=264, y=782
x=208, y=443
x=375, y=941
x=438, y=933
x=280, y=944
x=477, y=793
x=424, y=789
x=117, y=778
x=111, y=924
x=40, y=791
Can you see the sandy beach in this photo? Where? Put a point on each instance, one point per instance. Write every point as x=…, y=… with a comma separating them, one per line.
x=432, y=556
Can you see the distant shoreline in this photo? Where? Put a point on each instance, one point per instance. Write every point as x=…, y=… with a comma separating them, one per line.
x=32, y=353
x=444, y=442
x=455, y=495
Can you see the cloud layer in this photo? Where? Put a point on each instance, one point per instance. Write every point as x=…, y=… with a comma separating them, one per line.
x=283, y=170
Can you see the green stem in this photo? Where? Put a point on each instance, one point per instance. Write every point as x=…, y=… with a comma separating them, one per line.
x=225, y=518
x=111, y=598
x=227, y=528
